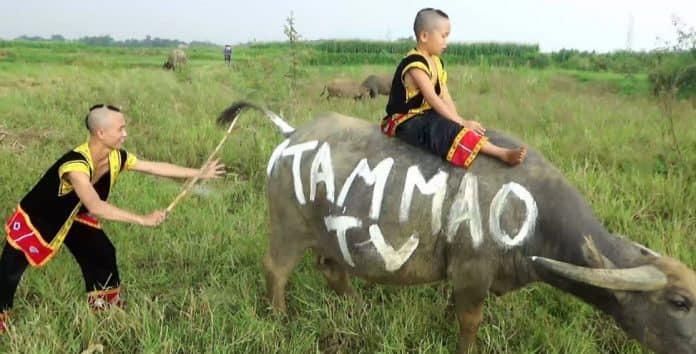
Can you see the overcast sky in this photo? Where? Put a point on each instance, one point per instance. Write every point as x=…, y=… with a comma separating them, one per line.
x=602, y=25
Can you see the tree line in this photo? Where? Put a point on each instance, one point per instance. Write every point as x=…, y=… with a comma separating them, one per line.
x=107, y=40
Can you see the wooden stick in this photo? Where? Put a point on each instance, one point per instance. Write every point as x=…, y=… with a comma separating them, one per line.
x=187, y=187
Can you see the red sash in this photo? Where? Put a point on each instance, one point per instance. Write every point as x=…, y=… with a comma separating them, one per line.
x=22, y=235
x=389, y=123
x=88, y=219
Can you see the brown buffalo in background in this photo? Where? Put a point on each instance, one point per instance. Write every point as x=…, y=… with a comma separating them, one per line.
x=345, y=88
x=378, y=84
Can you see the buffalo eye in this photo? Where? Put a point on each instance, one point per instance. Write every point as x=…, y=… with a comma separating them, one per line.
x=680, y=303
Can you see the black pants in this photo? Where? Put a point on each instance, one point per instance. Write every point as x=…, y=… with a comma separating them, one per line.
x=92, y=250
x=429, y=131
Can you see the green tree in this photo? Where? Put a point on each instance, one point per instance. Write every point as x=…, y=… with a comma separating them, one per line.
x=293, y=37
x=674, y=74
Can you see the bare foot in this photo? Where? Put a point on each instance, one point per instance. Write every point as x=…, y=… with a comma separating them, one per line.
x=514, y=157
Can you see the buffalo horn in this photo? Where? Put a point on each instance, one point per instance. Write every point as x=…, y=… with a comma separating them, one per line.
x=642, y=278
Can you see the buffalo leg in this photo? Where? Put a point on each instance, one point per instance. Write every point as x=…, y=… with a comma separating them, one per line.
x=337, y=278
x=277, y=274
x=286, y=247
x=469, y=315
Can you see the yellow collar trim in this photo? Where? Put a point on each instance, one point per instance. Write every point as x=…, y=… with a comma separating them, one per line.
x=114, y=160
x=84, y=151
x=434, y=72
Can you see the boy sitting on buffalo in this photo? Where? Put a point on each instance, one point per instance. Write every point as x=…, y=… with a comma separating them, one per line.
x=420, y=110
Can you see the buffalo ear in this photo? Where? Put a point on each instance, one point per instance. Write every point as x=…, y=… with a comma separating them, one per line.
x=593, y=256
x=596, y=259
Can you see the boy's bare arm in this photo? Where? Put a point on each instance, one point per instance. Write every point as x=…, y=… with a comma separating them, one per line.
x=422, y=81
x=447, y=110
x=448, y=99
x=471, y=124
x=90, y=199
x=214, y=169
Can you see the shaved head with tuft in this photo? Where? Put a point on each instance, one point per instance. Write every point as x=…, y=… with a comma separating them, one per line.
x=427, y=20
x=107, y=125
x=99, y=118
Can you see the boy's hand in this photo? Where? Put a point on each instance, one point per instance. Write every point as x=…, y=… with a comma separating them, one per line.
x=475, y=126
x=214, y=169
x=154, y=219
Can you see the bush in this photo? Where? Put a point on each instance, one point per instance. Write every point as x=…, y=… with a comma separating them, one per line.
x=578, y=63
x=627, y=64
x=599, y=63
x=539, y=61
x=677, y=74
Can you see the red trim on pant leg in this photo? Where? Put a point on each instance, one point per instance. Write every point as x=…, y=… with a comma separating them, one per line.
x=474, y=152
x=454, y=145
x=103, y=299
x=465, y=148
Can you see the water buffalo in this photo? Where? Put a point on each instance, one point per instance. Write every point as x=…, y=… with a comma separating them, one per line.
x=376, y=208
x=346, y=88
x=175, y=60
x=378, y=84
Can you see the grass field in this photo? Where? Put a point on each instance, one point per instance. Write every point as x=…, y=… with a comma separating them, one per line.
x=195, y=284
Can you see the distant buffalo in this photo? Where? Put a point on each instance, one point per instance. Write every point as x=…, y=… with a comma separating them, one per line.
x=346, y=88
x=378, y=84
x=176, y=60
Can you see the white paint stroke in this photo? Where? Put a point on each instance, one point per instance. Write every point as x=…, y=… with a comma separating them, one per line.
x=322, y=171
x=393, y=259
x=341, y=224
x=296, y=151
x=466, y=208
x=437, y=185
x=377, y=177
x=496, y=211
x=276, y=155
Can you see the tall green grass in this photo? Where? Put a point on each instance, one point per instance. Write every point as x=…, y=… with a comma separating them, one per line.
x=359, y=52
x=332, y=52
x=195, y=284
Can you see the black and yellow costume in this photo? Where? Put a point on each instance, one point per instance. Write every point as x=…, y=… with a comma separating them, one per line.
x=411, y=118
x=51, y=214
x=409, y=101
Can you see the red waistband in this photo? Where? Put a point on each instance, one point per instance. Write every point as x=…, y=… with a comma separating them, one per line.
x=390, y=122
x=88, y=219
